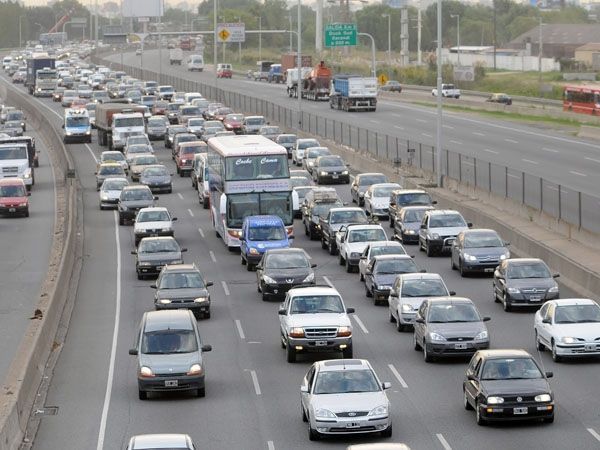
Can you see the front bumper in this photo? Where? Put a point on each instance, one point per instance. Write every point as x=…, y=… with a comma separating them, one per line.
x=381, y=294
x=334, y=178
x=456, y=348
x=110, y=203
x=279, y=290
x=156, y=233
x=407, y=318
x=153, y=268
x=580, y=349
x=252, y=258
x=506, y=412
x=304, y=345
x=412, y=238
x=480, y=266
x=13, y=210
x=160, y=187
x=203, y=307
x=441, y=245
x=352, y=425
x=530, y=300
x=179, y=382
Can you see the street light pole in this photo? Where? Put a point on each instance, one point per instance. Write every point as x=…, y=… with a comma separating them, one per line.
x=291, y=31
x=373, y=61
x=259, y=38
x=457, y=16
x=215, y=5
x=299, y=63
x=438, y=155
x=389, y=52
x=541, y=49
x=20, y=32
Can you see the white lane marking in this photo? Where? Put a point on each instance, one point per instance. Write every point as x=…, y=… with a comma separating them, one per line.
x=477, y=133
x=191, y=212
x=449, y=127
x=397, y=115
x=593, y=160
x=426, y=135
x=212, y=256
x=225, y=288
x=326, y=280
x=550, y=150
x=490, y=151
x=180, y=195
x=398, y=376
x=579, y=174
x=360, y=324
x=456, y=142
x=512, y=141
x=529, y=161
x=398, y=127
x=238, y=325
x=594, y=433
x=270, y=445
x=373, y=121
x=91, y=153
x=255, y=382
x=115, y=340
x=443, y=441
x=201, y=232
x=421, y=120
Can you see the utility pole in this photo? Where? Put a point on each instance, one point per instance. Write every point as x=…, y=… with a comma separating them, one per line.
x=389, y=51
x=419, y=25
x=438, y=155
x=541, y=50
x=404, y=51
x=373, y=60
x=494, y=4
x=299, y=63
x=290, y=15
x=259, y=38
x=457, y=17
x=319, y=28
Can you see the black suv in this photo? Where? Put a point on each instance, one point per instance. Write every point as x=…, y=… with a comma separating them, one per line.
x=283, y=269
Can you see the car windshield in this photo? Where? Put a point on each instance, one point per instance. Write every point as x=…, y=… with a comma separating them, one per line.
x=169, y=341
x=308, y=143
x=190, y=111
x=126, y=122
x=256, y=167
x=346, y=381
x=195, y=122
x=315, y=153
x=13, y=124
x=447, y=220
x=144, y=160
x=394, y=266
x=155, y=172
x=367, y=180
x=184, y=280
x=178, y=129
x=424, y=288
x=388, y=250
x=270, y=130
x=383, y=191
x=348, y=217
x=530, y=270
x=156, y=123
x=577, y=314
x=321, y=209
x=414, y=215
x=332, y=161
x=114, y=184
x=317, y=304
x=299, y=181
x=287, y=139
x=267, y=233
x=293, y=260
x=453, y=312
x=413, y=199
x=255, y=121
x=481, y=240
x=510, y=369
x=367, y=235
x=158, y=246
x=12, y=191
x=153, y=216
x=111, y=170
x=78, y=121
x=214, y=124
x=137, y=194
x=113, y=156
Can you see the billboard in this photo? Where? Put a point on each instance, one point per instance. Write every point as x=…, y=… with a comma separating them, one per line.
x=142, y=8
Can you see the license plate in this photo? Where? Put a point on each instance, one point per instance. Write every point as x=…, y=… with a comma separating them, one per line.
x=535, y=298
x=171, y=383
x=353, y=425
x=520, y=410
x=461, y=346
x=12, y=209
x=488, y=269
x=321, y=343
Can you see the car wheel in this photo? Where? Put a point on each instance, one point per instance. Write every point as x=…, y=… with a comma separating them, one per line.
x=342, y=261
x=313, y=435
x=367, y=292
x=290, y=354
x=323, y=244
x=495, y=295
x=391, y=222
x=304, y=418
x=426, y=355
x=505, y=303
x=461, y=269
x=207, y=315
x=347, y=352
x=249, y=267
x=399, y=325
x=142, y=395
x=201, y=392
x=387, y=433
x=428, y=249
x=416, y=344
x=242, y=260
x=349, y=268
x=466, y=403
x=140, y=276
x=555, y=356
x=258, y=287
x=311, y=234
x=538, y=344
x=331, y=247
x=362, y=277
x=480, y=420
x=548, y=419
x=452, y=265
x=392, y=319
x=121, y=221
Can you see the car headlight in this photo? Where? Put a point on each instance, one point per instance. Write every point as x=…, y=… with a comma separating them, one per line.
x=436, y=337
x=166, y=230
x=88, y=132
x=309, y=278
x=470, y=257
x=410, y=232
x=495, y=400
x=310, y=163
x=324, y=414
x=406, y=308
x=344, y=332
x=196, y=369
x=22, y=205
x=164, y=301
x=379, y=411
x=253, y=251
x=435, y=236
x=104, y=196
x=68, y=133
x=146, y=372
x=323, y=173
x=123, y=207
x=553, y=289
x=296, y=332
x=200, y=299
x=543, y=398
x=184, y=161
x=482, y=335
x=144, y=263
x=269, y=280
x=345, y=172
x=512, y=290
x=27, y=174
x=505, y=256
x=568, y=340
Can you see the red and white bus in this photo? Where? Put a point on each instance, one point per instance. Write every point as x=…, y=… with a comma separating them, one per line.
x=583, y=99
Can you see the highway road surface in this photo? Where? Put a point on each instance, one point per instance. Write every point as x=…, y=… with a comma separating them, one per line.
x=252, y=399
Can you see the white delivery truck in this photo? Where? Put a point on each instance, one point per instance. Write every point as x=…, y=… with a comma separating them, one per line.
x=195, y=62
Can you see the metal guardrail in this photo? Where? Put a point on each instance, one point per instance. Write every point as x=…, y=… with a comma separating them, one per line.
x=562, y=202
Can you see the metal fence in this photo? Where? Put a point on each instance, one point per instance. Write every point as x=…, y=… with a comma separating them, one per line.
x=566, y=204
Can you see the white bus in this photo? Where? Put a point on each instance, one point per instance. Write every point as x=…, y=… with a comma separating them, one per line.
x=248, y=175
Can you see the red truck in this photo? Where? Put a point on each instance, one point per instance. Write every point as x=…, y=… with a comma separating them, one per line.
x=186, y=43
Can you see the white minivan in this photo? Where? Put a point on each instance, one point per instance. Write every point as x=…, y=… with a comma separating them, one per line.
x=196, y=62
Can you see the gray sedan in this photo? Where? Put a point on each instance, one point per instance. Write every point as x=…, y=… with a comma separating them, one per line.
x=478, y=250
x=153, y=253
x=157, y=178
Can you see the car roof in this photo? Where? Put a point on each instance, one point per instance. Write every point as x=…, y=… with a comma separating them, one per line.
x=154, y=209
x=379, y=445
x=378, y=185
x=264, y=220
x=137, y=187
x=440, y=212
x=385, y=244
x=272, y=251
x=384, y=257
x=345, y=208
x=159, y=238
x=524, y=260
x=158, y=441
x=573, y=301
x=504, y=353
x=110, y=164
x=450, y=300
x=421, y=276
x=179, y=268
x=409, y=191
x=480, y=231
x=11, y=182
x=168, y=319
x=368, y=226
x=313, y=290
x=417, y=208
x=335, y=365
x=370, y=174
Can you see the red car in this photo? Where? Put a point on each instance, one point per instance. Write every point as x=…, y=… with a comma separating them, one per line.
x=224, y=71
x=222, y=112
x=160, y=108
x=14, y=199
x=233, y=122
x=185, y=156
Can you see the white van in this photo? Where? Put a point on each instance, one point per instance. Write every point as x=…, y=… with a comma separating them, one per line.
x=195, y=62
x=6, y=62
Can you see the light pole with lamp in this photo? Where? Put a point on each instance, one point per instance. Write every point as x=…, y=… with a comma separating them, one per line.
x=20, y=31
x=457, y=17
x=260, y=38
x=299, y=64
x=215, y=5
x=373, y=61
x=438, y=143
x=239, y=21
x=389, y=52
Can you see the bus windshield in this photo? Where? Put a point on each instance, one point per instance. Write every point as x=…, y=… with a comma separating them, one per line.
x=273, y=203
x=240, y=168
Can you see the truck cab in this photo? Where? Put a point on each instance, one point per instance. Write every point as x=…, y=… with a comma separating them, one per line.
x=46, y=81
x=77, y=127
x=260, y=233
x=262, y=70
x=125, y=125
x=15, y=163
x=275, y=74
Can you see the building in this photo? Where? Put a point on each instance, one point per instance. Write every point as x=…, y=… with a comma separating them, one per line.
x=558, y=40
x=589, y=54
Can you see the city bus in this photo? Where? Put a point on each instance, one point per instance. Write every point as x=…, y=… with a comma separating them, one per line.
x=583, y=99
x=248, y=175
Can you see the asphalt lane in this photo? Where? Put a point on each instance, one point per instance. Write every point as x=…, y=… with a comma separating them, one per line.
x=558, y=157
x=25, y=248
x=252, y=398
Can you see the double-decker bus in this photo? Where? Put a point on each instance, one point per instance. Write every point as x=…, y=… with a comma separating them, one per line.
x=248, y=175
x=582, y=99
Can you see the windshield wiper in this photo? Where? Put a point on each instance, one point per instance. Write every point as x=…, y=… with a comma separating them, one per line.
x=327, y=310
x=585, y=321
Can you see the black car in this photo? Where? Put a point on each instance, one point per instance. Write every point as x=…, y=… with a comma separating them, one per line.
x=507, y=385
x=330, y=169
x=182, y=286
x=288, y=141
x=381, y=274
x=401, y=198
x=131, y=200
x=172, y=130
x=281, y=270
x=478, y=250
x=391, y=86
x=153, y=253
x=524, y=282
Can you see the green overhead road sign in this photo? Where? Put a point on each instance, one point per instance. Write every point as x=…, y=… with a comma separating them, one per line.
x=340, y=34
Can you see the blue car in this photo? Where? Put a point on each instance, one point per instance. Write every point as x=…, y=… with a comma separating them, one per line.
x=259, y=234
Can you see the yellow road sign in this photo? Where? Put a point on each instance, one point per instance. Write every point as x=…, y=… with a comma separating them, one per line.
x=382, y=79
x=223, y=34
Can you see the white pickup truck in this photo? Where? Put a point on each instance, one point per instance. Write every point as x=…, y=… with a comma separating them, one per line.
x=448, y=90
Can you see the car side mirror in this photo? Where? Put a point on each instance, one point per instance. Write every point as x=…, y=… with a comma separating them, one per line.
x=313, y=265
x=291, y=236
x=304, y=389
x=549, y=374
x=173, y=219
x=423, y=271
x=486, y=319
x=209, y=283
x=423, y=226
x=419, y=320
x=471, y=377
x=556, y=275
x=206, y=348
x=506, y=243
x=29, y=194
x=259, y=267
x=386, y=385
x=282, y=312
x=470, y=224
x=393, y=293
x=392, y=203
x=95, y=173
x=434, y=202
x=153, y=286
x=134, y=252
x=546, y=320
x=183, y=250
x=349, y=310
x=63, y=126
x=133, y=351
x=156, y=197
x=412, y=256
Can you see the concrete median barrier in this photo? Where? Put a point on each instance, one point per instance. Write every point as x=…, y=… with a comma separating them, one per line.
x=19, y=389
